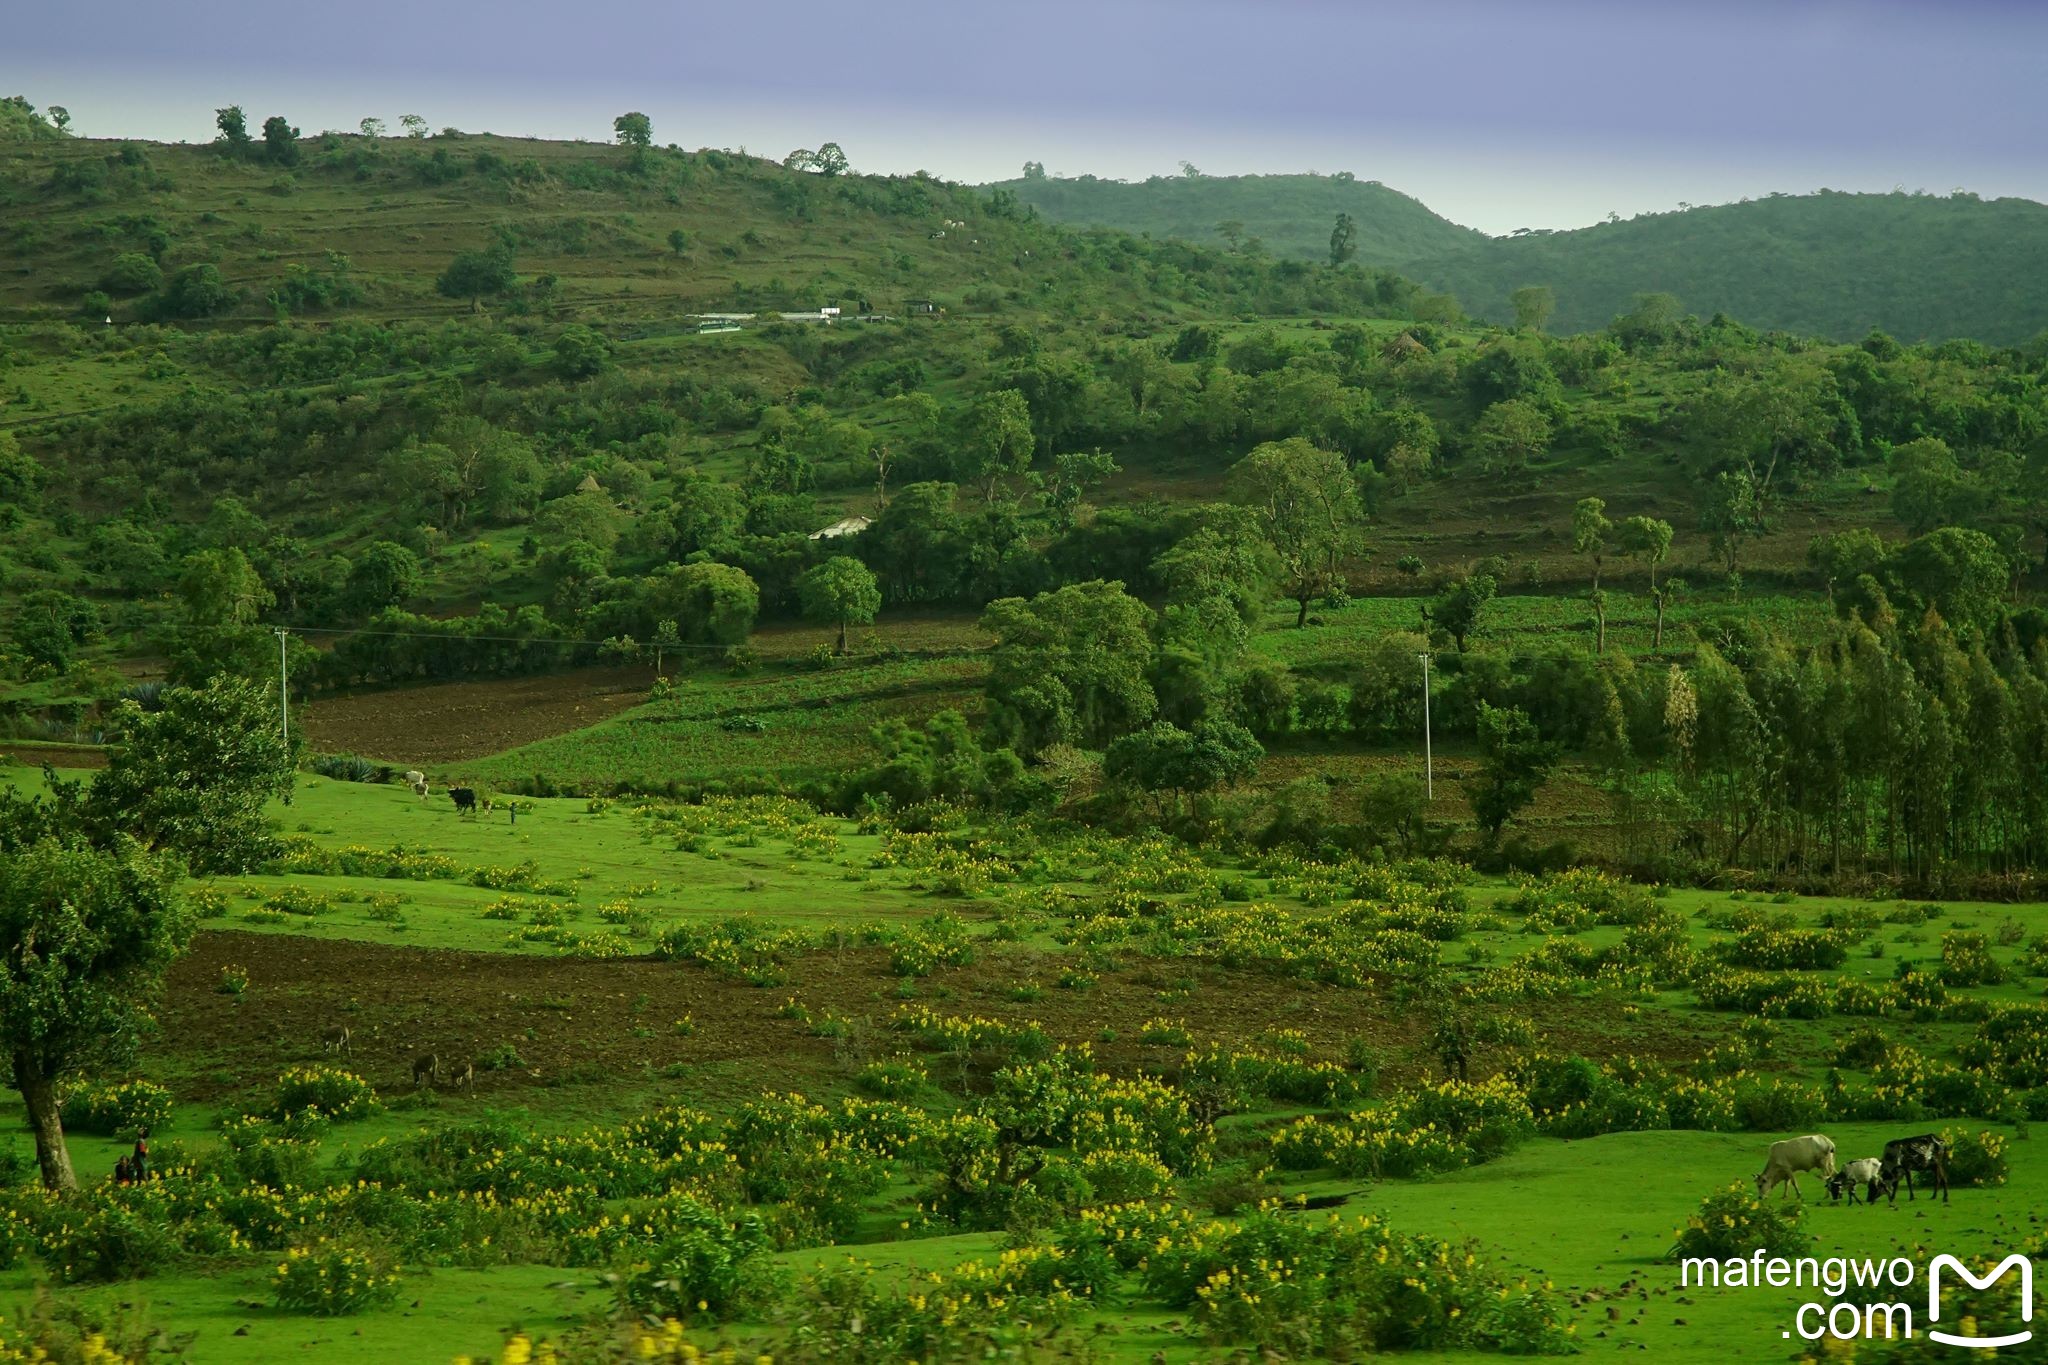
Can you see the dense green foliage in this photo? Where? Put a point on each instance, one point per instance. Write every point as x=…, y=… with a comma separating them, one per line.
x=1287, y=215
x=1920, y=266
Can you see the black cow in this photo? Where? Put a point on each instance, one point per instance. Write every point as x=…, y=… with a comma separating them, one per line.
x=464, y=799
x=1903, y=1158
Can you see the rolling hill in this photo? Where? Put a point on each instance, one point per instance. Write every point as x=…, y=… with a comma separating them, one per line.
x=1290, y=214
x=1920, y=267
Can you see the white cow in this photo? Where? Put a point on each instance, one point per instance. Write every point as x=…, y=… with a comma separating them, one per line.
x=1867, y=1174
x=1788, y=1158
x=413, y=777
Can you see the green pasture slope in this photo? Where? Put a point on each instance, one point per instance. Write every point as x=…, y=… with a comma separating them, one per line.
x=1594, y=1217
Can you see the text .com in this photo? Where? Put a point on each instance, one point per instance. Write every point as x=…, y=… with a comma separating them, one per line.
x=1857, y=1307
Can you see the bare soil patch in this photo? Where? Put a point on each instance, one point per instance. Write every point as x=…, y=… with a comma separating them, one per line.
x=452, y=722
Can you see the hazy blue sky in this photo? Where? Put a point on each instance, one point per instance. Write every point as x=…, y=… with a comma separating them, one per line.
x=1497, y=113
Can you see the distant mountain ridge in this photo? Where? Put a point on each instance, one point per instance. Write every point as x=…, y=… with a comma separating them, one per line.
x=1830, y=264
x=1291, y=215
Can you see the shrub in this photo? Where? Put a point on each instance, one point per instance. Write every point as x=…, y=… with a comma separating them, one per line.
x=1732, y=1223
x=233, y=980
x=1975, y=1158
x=708, y=1264
x=107, y=1243
x=330, y=1091
x=332, y=1279
x=105, y=1110
x=1966, y=961
x=893, y=1079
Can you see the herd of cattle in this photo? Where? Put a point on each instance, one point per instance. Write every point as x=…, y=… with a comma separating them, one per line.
x=1903, y=1158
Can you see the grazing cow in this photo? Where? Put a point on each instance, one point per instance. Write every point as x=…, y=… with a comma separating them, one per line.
x=1867, y=1173
x=413, y=777
x=464, y=799
x=419, y=789
x=1787, y=1159
x=425, y=1068
x=336, y=1040
x=463, y=1077
x=1925, y=1155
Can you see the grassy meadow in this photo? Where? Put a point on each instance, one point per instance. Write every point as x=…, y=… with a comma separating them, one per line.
x=566, y=981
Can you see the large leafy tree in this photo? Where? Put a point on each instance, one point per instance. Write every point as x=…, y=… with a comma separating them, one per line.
x=996, y=439
x=192, y=777
x=1306, y=504
x=1069, y=666
x=634, y=130
x=85, y=937
x=478, y=275
x=1514, y=760
x=1165, y=760
x=841, y=591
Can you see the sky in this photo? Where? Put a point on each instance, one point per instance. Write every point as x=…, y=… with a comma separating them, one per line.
x=1499, y=114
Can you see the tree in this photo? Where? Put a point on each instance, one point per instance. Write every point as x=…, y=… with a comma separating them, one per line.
x=85, y=938
x=1958, y=572
x=1929, y=487
x=1648, y=540
x=196, y=291
x=234, y=129
x=280, y=141
x=1533, y=305
x=1034, y=170
x=414, y=125
x=634, y=130
x=478, y=275
x=840, y=591
x=1508, y=435
x=1069, y=666
x=49, y=626
x=829, y=159
x=713, y=604
x=996, y=439
x=385, y=574
x=1072, y=476
x=1514, y=760
x=1730, y=511
x=1306, y=504
x=1343, y=240
x=1165, y=758
x=1845, y=556
x=60, y=117
x=1590, y=529
x=132, y=273
x=580, y=353
x=371, y=127
x=191, y=777
x=678, y=241
x=1457, y=607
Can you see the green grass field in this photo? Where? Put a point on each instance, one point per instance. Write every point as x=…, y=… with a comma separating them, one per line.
x=1594, y=1216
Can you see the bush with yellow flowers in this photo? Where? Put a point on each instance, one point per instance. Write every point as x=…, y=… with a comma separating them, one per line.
x=328, y=1090
x=332, y=1278
x=1733, y=1222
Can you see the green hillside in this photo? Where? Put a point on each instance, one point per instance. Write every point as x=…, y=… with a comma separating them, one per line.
x=1291, y=215
x=358, y=226
x=1920, y=267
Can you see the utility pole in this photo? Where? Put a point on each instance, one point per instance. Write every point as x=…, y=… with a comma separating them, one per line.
x=1428, y=760
x=284, y=705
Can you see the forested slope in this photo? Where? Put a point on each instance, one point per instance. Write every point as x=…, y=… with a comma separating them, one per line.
x=1920, y=267
x=1290, y=215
